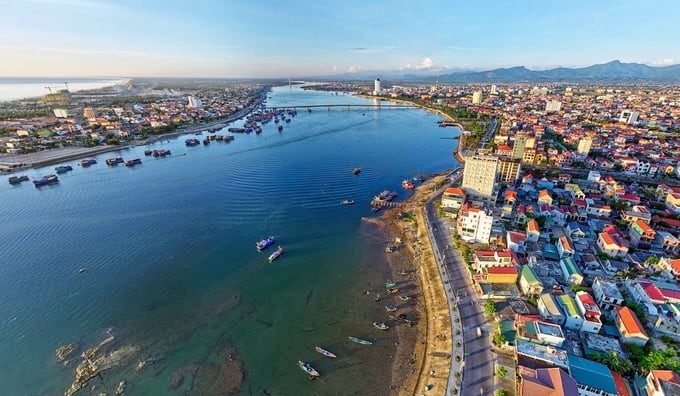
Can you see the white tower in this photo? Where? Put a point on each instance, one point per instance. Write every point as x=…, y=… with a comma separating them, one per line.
x=376, y=88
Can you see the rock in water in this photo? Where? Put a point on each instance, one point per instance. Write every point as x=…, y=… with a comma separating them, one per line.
x=63, y=352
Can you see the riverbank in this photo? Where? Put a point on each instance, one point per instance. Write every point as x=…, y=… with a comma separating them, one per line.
x=423, y=359
x=16, y=163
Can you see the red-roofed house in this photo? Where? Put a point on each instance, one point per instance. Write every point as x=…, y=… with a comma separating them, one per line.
x=544, y=197
x=640, y=232
x=452, y=200
x=670, y=265
x=492, y=258
x=533, y=231
x=662, y=383
x=630, y=328
x=515, y=241
x=501, y=275
x=590, y=312
x=610, y=243
x=564, y=247
x=644, y=292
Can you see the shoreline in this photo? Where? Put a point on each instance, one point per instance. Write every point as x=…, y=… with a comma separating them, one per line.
x=74, y=153
x=421, y=359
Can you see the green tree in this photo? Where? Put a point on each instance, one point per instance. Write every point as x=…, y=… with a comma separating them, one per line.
x=502, y=372
x=498, y=339
x=489, y=307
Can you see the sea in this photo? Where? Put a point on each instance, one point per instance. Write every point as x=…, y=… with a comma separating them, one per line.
x=162, y=257
x=12, y=88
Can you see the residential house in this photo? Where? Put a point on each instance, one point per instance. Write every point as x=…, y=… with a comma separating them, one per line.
x=573, y=318
x=507, y=275
x=630, y=328
x=644, y=292
x=640, y=232
x=570, y=271
x=575, y=230
x=668, y=242
x=575, y=191
x=546, y=381
x=673, y=202
x=529, y=283
x=530, y=327
x=636, y=212
x=607, y=294
x=611, y=243
x=549, y=309
x=564, y=247
x=452, y=200
x=515, y=241
x=592, y=378
x=590, y=312
x=533, y=231
x=544, y=197
x=672, y=266
x=662, y=383
x=492, y=258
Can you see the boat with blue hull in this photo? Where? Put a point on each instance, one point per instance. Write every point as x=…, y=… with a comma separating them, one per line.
x=265, y=243
x=63, y=169
x=308, y=369
x=17, y=179
x=360, y=341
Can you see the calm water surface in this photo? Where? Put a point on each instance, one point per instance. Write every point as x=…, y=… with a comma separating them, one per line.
x=171, y=264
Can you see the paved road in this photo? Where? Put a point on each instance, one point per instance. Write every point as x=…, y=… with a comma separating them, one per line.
x=478, y=367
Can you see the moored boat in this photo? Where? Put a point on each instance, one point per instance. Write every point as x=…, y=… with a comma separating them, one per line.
x=131, y=163
x=63, y=169
x=87, y=162
x=389, y=284
x=17, y=179
x=408, y=184
x=404, y=297
x=393, y=290
x=161, y=153
x=280, y=128
x=347, y=202
x=390, y=308
x=308, y=369
x=380, y=326
x=148, y=152
x=325, y=352
x=265, y=243
x=114, y=161
x=276, y=254
x=356, y=171
x=192, y=142
x=360, y=341
x=45, y=180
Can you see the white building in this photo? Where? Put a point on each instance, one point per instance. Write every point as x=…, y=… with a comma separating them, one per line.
x=553, y=106
x=474, y=224
x=584, y=146
x=494, y=90
x=377, y=89
x=194, y=102
x=629, y=116
x=477, y=97
x=479, y=177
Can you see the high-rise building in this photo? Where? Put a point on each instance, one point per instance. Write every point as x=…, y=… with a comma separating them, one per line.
x=508, y=169
x=194, y=102
x=494, y=90
x=474, y=223
x=519, y=146
x=584, y=146
x=629, y=116
x=477, y=97
x=377, y=89
x=479, y=177
x=553, y=106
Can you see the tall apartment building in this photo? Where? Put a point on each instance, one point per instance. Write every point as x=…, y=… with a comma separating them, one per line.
x=477, y=97
x=553, y=106
x=474, y=224
x=522, y=143
x=194, y=102
x=479, y=177
x=584, y=146
x=508, y=170
x=629, y=116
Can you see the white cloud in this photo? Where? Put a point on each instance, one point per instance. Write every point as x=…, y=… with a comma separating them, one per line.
x=354, y=68
x=426, y=64
x=663, y=62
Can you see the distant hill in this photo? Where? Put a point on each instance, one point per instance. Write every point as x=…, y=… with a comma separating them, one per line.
x=614, y=71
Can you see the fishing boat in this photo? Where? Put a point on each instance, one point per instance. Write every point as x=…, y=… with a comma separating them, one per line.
x=308, y=369
x=389, y=284
x=408, y=184
x=63, y=169
x=192, y=142
x=114, y=161
x=87, y=162
x=356, y=171
x=360, y=341
x=265, y=243
x=148, y=152
x=347, y=202
x=131, y=163
x=325, y=352
x=276, y=254
x=17, y=179
x=393, y=290
x=280, y=128
x=161, y=153
x=45, y=180
x=380, y=326
x=404, y=298
x=390, y=308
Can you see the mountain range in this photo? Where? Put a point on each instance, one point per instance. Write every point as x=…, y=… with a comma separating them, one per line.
x=611, y=72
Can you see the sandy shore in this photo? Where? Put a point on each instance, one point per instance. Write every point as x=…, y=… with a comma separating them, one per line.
x=423, y=356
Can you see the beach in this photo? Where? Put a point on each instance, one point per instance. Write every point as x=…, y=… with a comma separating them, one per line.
x=422, y=360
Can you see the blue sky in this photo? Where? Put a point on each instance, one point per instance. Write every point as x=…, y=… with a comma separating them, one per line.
x=266, y=38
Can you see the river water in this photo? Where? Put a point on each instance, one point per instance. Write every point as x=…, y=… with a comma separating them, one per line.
x=171, y=267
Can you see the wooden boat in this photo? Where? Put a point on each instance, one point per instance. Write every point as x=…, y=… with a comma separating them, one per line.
x=325, y=352
x=17, y=179
x=308, y=369
x=276, y=254
x=404, y=297
x=390, y=308
x=356, y=171
x=360, y=341
x=389, y=284
x=380, y=325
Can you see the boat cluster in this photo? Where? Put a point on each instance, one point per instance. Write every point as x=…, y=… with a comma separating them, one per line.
x=156, y=153
x=217, y=138
x=267, y=242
